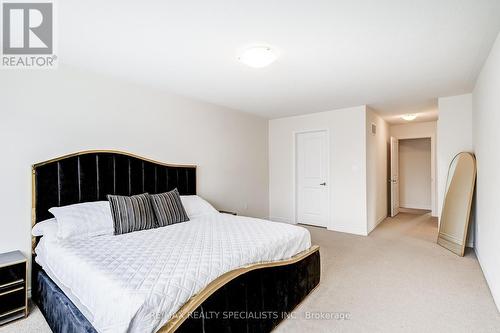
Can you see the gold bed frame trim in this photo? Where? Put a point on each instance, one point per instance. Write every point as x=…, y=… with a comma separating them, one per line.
x=183, y=313
x=85, y=152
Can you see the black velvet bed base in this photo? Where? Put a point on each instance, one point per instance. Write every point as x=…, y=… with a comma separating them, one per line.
x=256, y=301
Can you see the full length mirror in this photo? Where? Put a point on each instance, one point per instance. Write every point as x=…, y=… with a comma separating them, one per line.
x=457, y=203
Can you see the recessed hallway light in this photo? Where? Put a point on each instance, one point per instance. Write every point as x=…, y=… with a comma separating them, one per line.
x=409, y=117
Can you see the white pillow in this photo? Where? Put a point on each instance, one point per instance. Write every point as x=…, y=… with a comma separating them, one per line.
x=84, y=220
x=196, y=206
x=47, y=229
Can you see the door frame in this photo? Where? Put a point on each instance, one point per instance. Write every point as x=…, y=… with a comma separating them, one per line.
x=295, y=135
x=434, y=180
x=393, y=147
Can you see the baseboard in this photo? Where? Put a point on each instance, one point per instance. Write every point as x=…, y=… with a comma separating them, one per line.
x=495, y=293
x=348, y=231
x=414, y=206
x=376, y=224
x=281, y=219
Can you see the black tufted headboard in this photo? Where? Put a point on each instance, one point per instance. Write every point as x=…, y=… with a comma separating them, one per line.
x=91, y=175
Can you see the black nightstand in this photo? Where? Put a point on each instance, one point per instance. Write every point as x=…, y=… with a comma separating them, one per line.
x=13, y=287
x=226, y=212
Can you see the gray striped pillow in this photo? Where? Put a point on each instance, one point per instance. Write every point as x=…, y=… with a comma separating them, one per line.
x=131, y=213
x=168, y=208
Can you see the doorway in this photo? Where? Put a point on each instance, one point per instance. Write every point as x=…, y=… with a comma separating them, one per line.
x=311, y=165
x=411, y=177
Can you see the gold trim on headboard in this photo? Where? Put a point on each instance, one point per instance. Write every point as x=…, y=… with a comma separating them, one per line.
x=36, y=165
x=112, y=152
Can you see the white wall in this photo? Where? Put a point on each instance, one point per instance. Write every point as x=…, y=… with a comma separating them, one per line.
x=347, y=179
x=415, y=177
x=376, y=169
x=454, y=135
x=486, y=135
x=421, y=130
x=45, y=114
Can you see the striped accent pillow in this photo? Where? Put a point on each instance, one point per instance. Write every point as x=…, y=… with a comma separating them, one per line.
x=168, y=208
x=131, y=213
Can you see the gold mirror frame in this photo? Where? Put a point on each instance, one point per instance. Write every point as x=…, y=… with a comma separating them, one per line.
x=459, y=192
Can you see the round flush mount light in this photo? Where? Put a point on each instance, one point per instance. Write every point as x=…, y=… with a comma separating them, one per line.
x=409, y=117
x=258, y=56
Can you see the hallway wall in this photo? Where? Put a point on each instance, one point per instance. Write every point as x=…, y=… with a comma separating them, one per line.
x=454, y=135
x=376, y=169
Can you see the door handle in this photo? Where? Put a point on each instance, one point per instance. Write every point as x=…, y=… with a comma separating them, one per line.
x=323, y=184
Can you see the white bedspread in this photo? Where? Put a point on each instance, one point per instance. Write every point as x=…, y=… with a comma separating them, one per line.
x=135, y=282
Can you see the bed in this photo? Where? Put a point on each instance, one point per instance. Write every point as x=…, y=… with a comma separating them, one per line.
x=217, y=273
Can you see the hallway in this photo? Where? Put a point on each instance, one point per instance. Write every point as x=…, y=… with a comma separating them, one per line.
x=396, y=279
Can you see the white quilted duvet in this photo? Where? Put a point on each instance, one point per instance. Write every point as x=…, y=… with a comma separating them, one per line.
x=137, y=281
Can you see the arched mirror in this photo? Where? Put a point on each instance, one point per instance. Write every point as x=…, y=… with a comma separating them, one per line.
x=457, y=203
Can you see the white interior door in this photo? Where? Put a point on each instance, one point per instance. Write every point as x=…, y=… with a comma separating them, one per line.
x=311, y=177
x=394, y=179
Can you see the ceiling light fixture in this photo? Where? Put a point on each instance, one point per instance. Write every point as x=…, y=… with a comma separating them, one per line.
x=258, y=56
x=409, y=117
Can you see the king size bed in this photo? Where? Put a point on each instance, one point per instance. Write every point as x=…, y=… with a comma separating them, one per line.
x=214, y=273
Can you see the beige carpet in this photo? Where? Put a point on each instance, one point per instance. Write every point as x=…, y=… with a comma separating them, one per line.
x=34, y=323
x=395, y=280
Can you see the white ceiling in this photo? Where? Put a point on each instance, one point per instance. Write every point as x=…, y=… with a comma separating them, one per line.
x=395, y=55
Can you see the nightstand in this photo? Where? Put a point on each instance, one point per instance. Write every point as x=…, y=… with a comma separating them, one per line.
x=13, y=287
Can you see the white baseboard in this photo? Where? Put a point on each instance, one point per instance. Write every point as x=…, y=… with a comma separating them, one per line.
x=348, y=230
x=378, y=222
x=281, y=219
x=415, y=206
x=495, y=293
